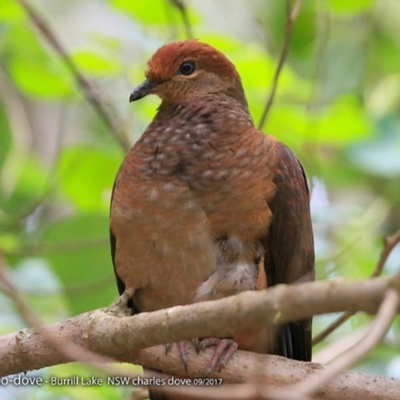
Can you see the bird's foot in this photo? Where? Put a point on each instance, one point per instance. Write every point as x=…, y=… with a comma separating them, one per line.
x=121, y=307
x=182, y=350
x=224, y=350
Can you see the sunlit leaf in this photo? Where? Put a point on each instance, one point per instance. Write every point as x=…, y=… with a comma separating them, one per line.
x=157, y=13
x=288, y=124
x=154, y=14
x=354, y=6
x=33, y=70
x=95, y=63
x=78, y=251
x=87, y=176
x=5, y=137
x=304, y=32
x=24, y=182
x=9, y=9
x=36, y=79
x=343, y=122
x=385, y=97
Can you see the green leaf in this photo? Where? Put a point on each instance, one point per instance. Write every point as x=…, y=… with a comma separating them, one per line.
x=255, y=68
x=353, y=6
x=24, y=182
x=39, y=80
x=5, y=137
x=385, y=97
x=288, y=123
x=154, y=14
x=350, y=7
x=87, y=176
x=34, y=71
x=343, y=122
x=9, y=10
x=159, y=12
x=95, y=63
x=77, y=249
x=304, y=33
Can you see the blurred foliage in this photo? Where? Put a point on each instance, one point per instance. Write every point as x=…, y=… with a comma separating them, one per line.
x=337, y=107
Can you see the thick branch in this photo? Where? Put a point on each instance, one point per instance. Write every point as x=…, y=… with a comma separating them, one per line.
x=273, y=372
x=111, y=335
x=259, y=369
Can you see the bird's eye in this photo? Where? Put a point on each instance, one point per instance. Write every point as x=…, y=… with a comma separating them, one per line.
x=187, y=68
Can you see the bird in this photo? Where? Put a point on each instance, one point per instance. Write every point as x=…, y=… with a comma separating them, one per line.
x=205, y=205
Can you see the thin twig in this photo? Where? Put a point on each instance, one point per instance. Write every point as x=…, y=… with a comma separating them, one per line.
x=386, y=313
x=389, y=244
x=332, y=326
x=291, y=15
x=104, y=109
x=181, y=6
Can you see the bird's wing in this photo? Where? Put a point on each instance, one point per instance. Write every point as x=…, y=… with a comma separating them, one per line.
x=289, y=247
x=113, y=246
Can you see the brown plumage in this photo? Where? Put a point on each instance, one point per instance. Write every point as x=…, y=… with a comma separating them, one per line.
x=205, y=205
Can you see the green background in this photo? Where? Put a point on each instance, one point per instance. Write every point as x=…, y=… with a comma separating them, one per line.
x=337, y=106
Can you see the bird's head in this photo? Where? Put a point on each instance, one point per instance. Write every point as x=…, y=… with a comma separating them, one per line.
x=181, y=71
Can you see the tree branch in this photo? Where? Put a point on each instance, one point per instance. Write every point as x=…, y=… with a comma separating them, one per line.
x=26, y=347
x=390, y=243
x=105, y=335
x=111, y=335
x=381, y=325
x=291, y=15
x=181, y=6
x=103, y=108
x=267, y=373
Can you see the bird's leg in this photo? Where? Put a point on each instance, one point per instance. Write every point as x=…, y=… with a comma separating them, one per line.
x=120, y=307
x=183, y=353
x=224, y=350
x=182, y=350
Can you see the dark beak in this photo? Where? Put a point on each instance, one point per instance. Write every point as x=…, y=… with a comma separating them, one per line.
x=147, y=87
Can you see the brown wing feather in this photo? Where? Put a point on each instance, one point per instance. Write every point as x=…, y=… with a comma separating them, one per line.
x=289, y=246
x=113, y=246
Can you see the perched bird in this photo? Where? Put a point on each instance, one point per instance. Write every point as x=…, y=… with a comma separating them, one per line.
x=205, y=205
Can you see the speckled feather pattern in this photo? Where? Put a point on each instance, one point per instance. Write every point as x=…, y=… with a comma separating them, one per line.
x=188, y=166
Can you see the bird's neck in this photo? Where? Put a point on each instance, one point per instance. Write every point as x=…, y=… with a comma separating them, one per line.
x=182, y=140
x=211, y=109
x=189, y=130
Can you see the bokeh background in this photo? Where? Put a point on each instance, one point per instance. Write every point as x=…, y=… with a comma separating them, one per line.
x=337, y=106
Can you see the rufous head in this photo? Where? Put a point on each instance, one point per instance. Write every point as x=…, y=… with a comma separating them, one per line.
x=186, y=70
